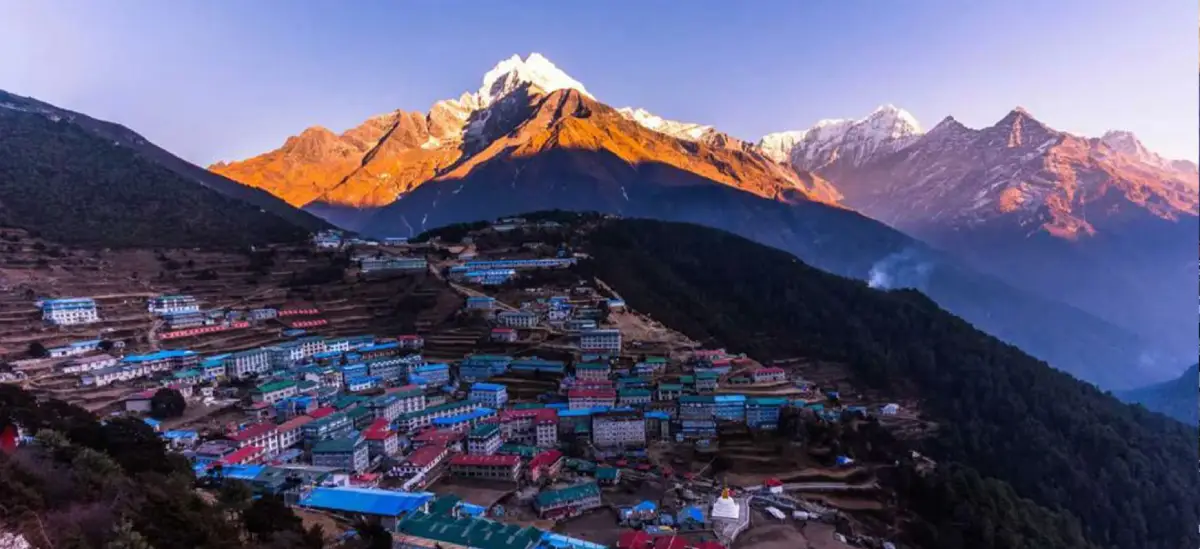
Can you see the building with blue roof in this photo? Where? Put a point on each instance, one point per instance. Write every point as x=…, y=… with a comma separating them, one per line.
x=481, y=303
x=433, y=373
x=730, y=407
x=162, y=361
x=69, y=311
x=519, y=263
x=389, y=505
x=763, y=413
x=492, y=395
x=363, y=383
x=465, y=421
x=535, y=364
x=478, y=367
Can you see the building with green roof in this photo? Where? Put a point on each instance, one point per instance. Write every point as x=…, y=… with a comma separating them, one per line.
x=569, y=501
x=274, y=391
x=669, y=391
x=476, y=533
x=346, y=454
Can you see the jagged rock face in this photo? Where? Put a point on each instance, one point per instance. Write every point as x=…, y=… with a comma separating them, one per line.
x=517, y=112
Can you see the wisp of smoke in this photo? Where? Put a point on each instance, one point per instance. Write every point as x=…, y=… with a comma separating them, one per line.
x=903, y=269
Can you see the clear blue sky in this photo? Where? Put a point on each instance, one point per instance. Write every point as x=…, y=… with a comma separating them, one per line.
x=226, y=79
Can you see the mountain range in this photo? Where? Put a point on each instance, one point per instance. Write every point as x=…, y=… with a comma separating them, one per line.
x=1100, y=223
x=1031, y=214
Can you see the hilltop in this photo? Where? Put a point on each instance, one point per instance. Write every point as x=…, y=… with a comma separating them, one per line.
x=77, y=181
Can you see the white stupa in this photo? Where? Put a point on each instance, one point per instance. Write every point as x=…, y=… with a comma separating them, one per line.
x=725, y=507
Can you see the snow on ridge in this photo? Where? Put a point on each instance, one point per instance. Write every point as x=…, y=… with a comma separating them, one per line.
x=680, y=130
x=887, y=129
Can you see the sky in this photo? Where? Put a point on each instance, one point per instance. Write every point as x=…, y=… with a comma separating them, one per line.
x=225, y=79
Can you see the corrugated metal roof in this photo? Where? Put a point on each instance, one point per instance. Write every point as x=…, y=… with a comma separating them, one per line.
x=368, y=501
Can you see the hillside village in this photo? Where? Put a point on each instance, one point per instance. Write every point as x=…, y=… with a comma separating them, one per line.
x=472, y=389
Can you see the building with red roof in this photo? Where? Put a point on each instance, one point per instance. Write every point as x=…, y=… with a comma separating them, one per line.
x=769, y=375
x=423, y=460
x=545, y=465
x=289, y=431
x=245, y=455
x=505, y=335
x=494, y=467
x=381, y=439
x=410, y=341
x=322, y=412
x=443, y=437
x=263, y=434
x=582, y=399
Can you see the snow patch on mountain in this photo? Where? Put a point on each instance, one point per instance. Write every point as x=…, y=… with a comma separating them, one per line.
x=678, y=130
x=778, y=146
x=887, y=129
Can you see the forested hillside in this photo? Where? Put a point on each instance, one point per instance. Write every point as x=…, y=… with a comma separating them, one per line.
x=86, y=484
x=74, y=187
x=1010, y=426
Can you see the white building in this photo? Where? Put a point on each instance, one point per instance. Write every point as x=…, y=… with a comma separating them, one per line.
x=484, y=440
x=246, y=363
x=263, y=435
x=618, y=429
x=491, y=395
x=274, y=392
x=517, y=319
x=290, y=433
x=69, y=311
x=88, y=364
x=601, y=340
x=172, y=304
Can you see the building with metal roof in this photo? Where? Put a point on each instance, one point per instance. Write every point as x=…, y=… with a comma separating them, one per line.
x=388, y=505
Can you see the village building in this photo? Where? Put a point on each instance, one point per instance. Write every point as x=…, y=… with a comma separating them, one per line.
x=69, y=311
x=706, y=382
x=517, y=319
x=568, y=502
x=493, y=467
x=349, y=454
x=480, y=303
x=465, y=421
x=243, y=364
x=413, y=421
x=769, y=375
x=618, y=429
x=379, y=264
x=579, y=325
x=604, y=340
x=411, y=342
x=479, y=367
x=485, y=277
x=582, y=399
x=381, y=439
x=432, y=373
x=534, y=365
x=388, y=507
x=264, y=435
x=763, y=412
x=423, y=460
x=504, y=335
x=592, y=371
x=139, y=402
x=333, y=425
x=484, y=440
x=163, y=361
x=289, y=432
x=519, y=263
x=633, y=397
x=545, y=465
x=74, y=348
x=87, y=364
x=274, y=391
x=729, y=408
x=492, y=395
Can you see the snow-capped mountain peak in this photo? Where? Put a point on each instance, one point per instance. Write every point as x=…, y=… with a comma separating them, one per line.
x=887, y=129
x=535, y=70
x=678, y=130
